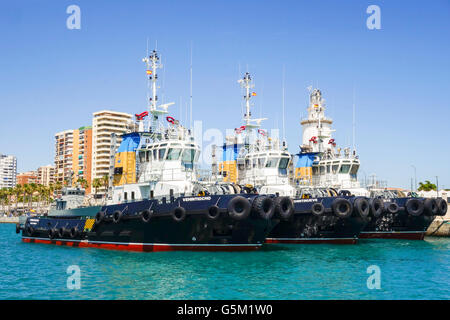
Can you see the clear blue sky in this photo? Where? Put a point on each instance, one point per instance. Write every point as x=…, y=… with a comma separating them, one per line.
x=52, y=78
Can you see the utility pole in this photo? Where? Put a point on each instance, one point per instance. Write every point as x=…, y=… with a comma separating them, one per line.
x=437, y=186
x=415, y=177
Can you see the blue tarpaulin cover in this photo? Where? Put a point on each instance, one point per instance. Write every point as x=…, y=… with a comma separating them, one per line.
x=231, y=152
x=129, y=143
x=305, y=160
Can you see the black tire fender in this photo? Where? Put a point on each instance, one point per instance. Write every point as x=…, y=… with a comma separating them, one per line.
x=178, y=214
x=146, y=215
x=239, y=208
x=391, y=207
x=30, y=230
x=213, y=213
x=317, y=209
x=264, y=207
x=430, y=207
x=99, y=217
x=73, y=233
x=414, y=207
x=361, y=207
x=376, y=207
x=443, y=206
x=284, y=207
x=117, y=216
x=342, y=208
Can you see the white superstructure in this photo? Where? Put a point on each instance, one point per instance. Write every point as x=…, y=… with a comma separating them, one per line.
x=332, y=166
x=166, y=154
x=262, y=162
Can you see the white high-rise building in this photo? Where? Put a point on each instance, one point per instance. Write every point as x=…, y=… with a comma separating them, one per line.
x=104, y=124
x=46, y=175
x=8, y=171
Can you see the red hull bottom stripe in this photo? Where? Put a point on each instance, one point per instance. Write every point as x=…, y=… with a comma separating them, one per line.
x=409, y=235
x=143, y=247
x=313, y=240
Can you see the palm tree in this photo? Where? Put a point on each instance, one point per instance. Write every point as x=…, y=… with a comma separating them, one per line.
x=96, y=184
x=83, y=183
x=33, y=189
x=3, y=198
x=105, y=183
x=427, y=186
x=18, y=190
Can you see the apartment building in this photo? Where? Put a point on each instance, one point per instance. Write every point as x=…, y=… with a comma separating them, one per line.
x=27, y=178
x=82, y=155
x=63, y=156
x=46, y=175
x=8, y=171
x=104, y=124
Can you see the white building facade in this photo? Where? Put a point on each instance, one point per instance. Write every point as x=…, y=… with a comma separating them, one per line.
x=104, y=124
x=8, y=171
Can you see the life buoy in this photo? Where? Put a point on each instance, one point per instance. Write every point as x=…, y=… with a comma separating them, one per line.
x=431, y=207
x=284, y=207
x=146, y=215
x=317, y=209
x=178, y=214
x=262, y=132
x=414, y=207
x=361, y=207
x=239, y=208
x=376, y=207
x=170, y=119
x=213, y=213
x=117, y=216
x=342, y=208
x=240, y=129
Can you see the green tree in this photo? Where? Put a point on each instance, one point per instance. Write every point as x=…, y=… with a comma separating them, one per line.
x=427, y=186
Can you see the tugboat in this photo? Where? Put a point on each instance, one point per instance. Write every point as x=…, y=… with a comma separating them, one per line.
x=155, y=201
x=307, y=215
x=322, y=165
x=401, y=217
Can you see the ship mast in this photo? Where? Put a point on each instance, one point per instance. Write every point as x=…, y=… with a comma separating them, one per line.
x=249, y=122
x=152, y=63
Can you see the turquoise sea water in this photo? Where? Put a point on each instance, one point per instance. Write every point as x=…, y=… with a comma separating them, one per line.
x=409, y=270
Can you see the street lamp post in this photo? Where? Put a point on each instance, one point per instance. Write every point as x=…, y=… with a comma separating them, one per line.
x=437, y=186
x=415, y=177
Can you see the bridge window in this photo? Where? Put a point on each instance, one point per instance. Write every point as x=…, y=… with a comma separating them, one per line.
x=354, y=170
x=322, y=170
x=261, y=162
x=345, y=168
x=188, y=155
x=272, y=163
x=173, y=154
x=283, y=163
x=335, y=168
x=162, y=153
x=155, y=154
